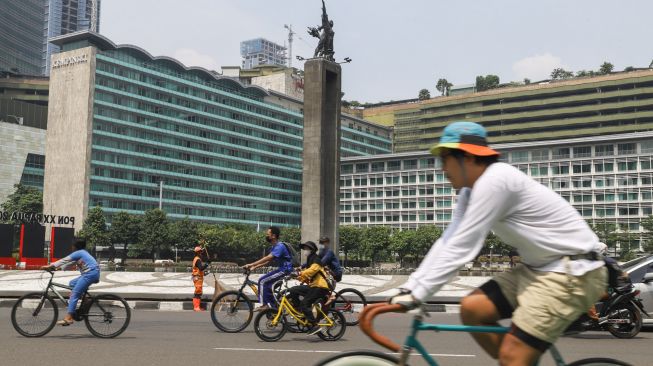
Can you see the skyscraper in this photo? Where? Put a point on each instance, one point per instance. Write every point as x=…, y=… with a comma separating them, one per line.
x=260, y=51
x=67, y=16
x=21, y=36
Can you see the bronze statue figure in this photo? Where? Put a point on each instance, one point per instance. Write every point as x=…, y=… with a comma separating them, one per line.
x=325, y=46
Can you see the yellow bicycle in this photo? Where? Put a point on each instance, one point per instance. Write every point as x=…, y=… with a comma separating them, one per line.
x=272, y=324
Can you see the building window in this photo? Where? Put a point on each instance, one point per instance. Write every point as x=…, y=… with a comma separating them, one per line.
x=518, y=156
x=582, y=152
x=394, y=165
x=561, y=153
x=646, y=146
x=410, y=164
x=604, y=150
x=362, y=168
x=427, y=163
x=627, y=149
x=539, y=155
x=378, y=167
x=347, y=169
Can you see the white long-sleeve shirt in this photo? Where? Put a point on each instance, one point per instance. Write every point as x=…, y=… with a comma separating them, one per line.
x=536, y=221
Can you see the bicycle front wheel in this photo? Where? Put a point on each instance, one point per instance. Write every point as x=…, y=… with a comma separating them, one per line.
x=231, y=311
x=108, y=316
x=266, y=328
x=34, y=315
x=350, y=302
x=599, y=362
x=360, y=358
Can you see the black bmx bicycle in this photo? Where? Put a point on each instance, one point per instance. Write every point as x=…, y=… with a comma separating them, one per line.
x=35, y=314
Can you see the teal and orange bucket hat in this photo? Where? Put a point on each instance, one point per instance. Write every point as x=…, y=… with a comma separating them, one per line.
x=466, y=136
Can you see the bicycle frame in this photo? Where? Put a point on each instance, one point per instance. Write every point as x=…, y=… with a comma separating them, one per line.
x=286, y=306
x=418, y=325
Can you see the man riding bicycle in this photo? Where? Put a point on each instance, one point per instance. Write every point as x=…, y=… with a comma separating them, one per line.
x=89, y=269
x=281, y=256
x=560, y=275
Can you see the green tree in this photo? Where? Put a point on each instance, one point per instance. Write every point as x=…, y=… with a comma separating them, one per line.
x=527, y=81
x=350, y=240
x=647, y=235
x=95, y=231
x=443, y=86
x=494, y=244
x=607, y=233
x=425, y=237
x=486, y=82
x=293, y=236
x=154, y=236
x=184, y=234
x=605, y=68
x=582, y=73
x=376, y=242
x=401, y=243
x=23, y=199
x=560, y=73
x=424, y=94
x=629, y=68
x=125, y=230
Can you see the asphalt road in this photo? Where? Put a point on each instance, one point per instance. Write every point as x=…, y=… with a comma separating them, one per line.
x=186, y=338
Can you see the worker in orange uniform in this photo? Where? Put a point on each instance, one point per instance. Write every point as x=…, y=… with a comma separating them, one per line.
x=198, y=277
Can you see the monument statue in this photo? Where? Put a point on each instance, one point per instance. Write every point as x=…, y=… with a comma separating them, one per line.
x=325, y=46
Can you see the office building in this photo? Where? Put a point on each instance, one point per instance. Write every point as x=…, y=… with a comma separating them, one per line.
x=260, y=51
x=67, y=16
x=21, y=36
x=138, y=125
x=606, y=178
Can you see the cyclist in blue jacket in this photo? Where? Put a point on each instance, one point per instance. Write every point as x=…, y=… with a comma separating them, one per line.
x=90, y=274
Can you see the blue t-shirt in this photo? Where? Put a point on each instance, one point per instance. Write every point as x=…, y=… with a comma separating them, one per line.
x=282, y=257
x=84, y=260
x=330, y=260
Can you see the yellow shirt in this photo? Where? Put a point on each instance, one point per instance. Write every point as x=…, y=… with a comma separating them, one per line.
x=314, y=276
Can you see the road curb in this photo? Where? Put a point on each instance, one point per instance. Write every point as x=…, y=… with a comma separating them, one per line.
x=188, y=306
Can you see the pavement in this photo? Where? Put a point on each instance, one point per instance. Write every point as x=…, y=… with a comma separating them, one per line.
x=174, y=290
x=156, y=338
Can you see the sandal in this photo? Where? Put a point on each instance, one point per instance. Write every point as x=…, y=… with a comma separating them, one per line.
x=64, y=322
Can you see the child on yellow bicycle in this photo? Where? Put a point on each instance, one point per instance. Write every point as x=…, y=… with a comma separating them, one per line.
x=317, y=288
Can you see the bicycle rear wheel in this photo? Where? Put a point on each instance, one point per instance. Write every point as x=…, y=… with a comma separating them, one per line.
x=338, y=329
x=34, y=315
x=108, y=316
x=599, y=362
x=359, y=358
x=231, y=311
x=350, y=302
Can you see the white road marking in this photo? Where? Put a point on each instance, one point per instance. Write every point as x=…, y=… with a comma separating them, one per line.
x=318, y=351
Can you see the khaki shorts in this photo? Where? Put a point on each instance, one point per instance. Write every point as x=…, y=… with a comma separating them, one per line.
x=546, y=303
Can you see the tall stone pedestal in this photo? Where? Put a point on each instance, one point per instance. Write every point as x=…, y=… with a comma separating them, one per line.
x=321, y=171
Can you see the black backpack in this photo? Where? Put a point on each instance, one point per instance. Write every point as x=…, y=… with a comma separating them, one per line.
x=295, y=257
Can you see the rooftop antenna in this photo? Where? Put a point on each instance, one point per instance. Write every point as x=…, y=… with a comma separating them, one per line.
x=290, y=36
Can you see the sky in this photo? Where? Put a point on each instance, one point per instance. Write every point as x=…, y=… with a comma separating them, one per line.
x=398, y=47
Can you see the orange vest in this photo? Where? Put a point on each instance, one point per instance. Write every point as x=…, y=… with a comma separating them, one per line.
x=196, y=271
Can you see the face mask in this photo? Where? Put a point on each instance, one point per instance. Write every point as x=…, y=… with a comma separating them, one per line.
x=306, y=253
x=320, y=246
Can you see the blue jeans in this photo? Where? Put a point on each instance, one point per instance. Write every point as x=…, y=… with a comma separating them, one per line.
x=80, y=285
x=265, y=296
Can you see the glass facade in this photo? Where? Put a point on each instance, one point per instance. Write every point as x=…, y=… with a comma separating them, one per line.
x=21, y=36
x=33, y=171
x=606, y=179
x=215, y=149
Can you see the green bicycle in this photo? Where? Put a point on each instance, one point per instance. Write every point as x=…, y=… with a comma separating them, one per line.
x=375, y=358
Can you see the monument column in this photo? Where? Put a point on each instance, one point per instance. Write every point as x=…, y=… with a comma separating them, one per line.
x=321, y=156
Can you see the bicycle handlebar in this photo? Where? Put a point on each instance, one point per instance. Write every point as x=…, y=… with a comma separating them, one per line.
x=368, y=315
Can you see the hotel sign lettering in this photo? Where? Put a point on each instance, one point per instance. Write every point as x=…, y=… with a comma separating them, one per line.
x=70, y=61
